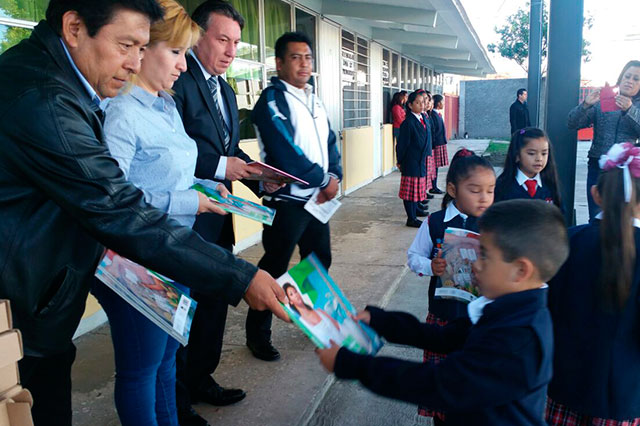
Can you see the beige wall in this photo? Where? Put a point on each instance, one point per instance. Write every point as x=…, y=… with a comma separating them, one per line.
x=357, y=157
x=91, y=307
x=243, y=227
x=388, y=157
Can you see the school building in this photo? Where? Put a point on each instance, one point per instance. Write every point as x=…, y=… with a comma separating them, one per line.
x=365, y=50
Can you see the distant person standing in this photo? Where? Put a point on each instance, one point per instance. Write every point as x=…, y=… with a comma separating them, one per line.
x=398, y=112
x=439, y=137
x=519, y=112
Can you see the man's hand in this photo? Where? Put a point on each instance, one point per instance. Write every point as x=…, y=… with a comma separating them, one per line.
x=438, y=264
x=329, y=192
x=592, y=98
x=238, y=169
x=623, y=102
x=264, y=293
x=270, y=187
x=328, y=356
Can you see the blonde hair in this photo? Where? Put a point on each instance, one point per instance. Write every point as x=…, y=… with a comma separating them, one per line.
x=176, y=28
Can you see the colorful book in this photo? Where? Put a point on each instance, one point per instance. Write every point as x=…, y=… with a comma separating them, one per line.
x=153, y=295
x=273, y=175
x=317, y=305
x=237, y=205
x=461, y=248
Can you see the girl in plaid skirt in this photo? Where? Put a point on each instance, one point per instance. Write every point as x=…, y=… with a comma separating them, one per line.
x=439, y=136
x=470, y=184
x=594, y=306
x=411, y=150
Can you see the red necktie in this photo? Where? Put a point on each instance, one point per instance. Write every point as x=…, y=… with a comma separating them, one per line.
x=532, y=185
x=423, y=123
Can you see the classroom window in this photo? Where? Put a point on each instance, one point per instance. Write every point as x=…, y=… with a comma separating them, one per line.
x=355, y=80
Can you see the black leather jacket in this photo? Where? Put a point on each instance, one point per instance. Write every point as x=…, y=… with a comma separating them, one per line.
x=62, y=197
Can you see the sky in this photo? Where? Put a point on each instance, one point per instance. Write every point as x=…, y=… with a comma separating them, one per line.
x=614, y=37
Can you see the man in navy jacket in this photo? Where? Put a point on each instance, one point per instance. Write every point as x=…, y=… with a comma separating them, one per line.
x=295, y=136
x=498, y=369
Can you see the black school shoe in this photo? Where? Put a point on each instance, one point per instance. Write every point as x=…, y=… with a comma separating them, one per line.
x=436, y=191
x=422, y=213
x=414, y=223
x=429, y=196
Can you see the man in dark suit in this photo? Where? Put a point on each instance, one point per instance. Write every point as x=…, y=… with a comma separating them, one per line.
x=519, y=112
x=209, y=112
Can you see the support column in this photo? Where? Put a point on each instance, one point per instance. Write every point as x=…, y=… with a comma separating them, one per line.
x=563, y=90
x=535, y=54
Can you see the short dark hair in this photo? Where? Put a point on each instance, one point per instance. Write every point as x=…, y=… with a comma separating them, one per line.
x=521, y=91
x=203, y=12
x=97, y=13
x=532, y=229
x=292, y=37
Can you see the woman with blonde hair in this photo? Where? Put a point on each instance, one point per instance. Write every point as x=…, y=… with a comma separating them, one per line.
x=145, y=135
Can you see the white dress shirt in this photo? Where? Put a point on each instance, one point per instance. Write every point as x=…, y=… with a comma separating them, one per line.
x=521, y=178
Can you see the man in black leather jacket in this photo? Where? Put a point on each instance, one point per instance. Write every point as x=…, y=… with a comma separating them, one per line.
x=63, y=198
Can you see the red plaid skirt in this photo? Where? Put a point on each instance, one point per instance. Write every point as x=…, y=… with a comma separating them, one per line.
x=432, y=358
x=431, y=172
x=561, y=415
x=412, y=188
x=441, y=156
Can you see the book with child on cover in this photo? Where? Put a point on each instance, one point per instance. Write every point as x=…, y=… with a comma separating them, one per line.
x=461, y=248
x=150, y=293
x=317, y=305
x=237, y=205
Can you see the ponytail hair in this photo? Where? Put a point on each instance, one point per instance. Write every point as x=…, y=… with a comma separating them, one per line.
x=412, y=97
x=548, y=175
x=617, y=236
x=463, y=163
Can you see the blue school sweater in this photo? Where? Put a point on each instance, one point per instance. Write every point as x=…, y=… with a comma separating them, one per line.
x=514, y=189
x=597, y=358
x=496, y=372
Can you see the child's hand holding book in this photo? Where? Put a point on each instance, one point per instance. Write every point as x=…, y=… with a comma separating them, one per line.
x=438, y=265
x=328, y=356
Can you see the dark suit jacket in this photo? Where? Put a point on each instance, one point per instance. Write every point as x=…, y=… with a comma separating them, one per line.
x=203, y=123
x=413, y=143
x=519, y=116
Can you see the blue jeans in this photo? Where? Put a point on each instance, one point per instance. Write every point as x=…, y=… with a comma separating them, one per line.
x=145, y=389
x=593, y=172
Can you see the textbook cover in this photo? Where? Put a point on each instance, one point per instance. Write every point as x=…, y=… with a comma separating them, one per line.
x=460, y=249
x=273, y=175
x=317, y=305
x=237, y=205
x=151, y=294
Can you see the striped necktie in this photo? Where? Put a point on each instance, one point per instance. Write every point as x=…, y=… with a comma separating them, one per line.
x=212, y=82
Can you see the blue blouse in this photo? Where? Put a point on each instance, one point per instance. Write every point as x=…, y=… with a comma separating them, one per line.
x=146, y=136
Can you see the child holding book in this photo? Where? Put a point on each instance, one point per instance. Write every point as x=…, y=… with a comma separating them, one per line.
x=470, y=185
x=500, y=356
x=529, y=169
x=594, y=305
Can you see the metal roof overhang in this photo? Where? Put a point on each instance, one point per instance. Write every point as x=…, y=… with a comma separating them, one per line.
x=436, y=33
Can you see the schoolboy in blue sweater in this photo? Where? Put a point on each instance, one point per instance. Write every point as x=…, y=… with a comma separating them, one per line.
x=500, y=356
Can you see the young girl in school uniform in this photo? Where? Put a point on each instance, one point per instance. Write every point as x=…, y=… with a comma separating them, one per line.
x=431, y=164
x=411, y=149
x=439, y=133
x=470, y=186
x=593, y=301
x=529, y=169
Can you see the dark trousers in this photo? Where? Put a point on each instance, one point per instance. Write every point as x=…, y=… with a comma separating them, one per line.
x=49, y=381
x=196, y=362
x=593, y=173
x=434, y=182
x=292, y=226
x=411, y=207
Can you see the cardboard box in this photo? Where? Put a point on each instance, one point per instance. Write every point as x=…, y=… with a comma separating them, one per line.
x=5, y=315
x=10, y=347
x=16, y=411
x=9, y=376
